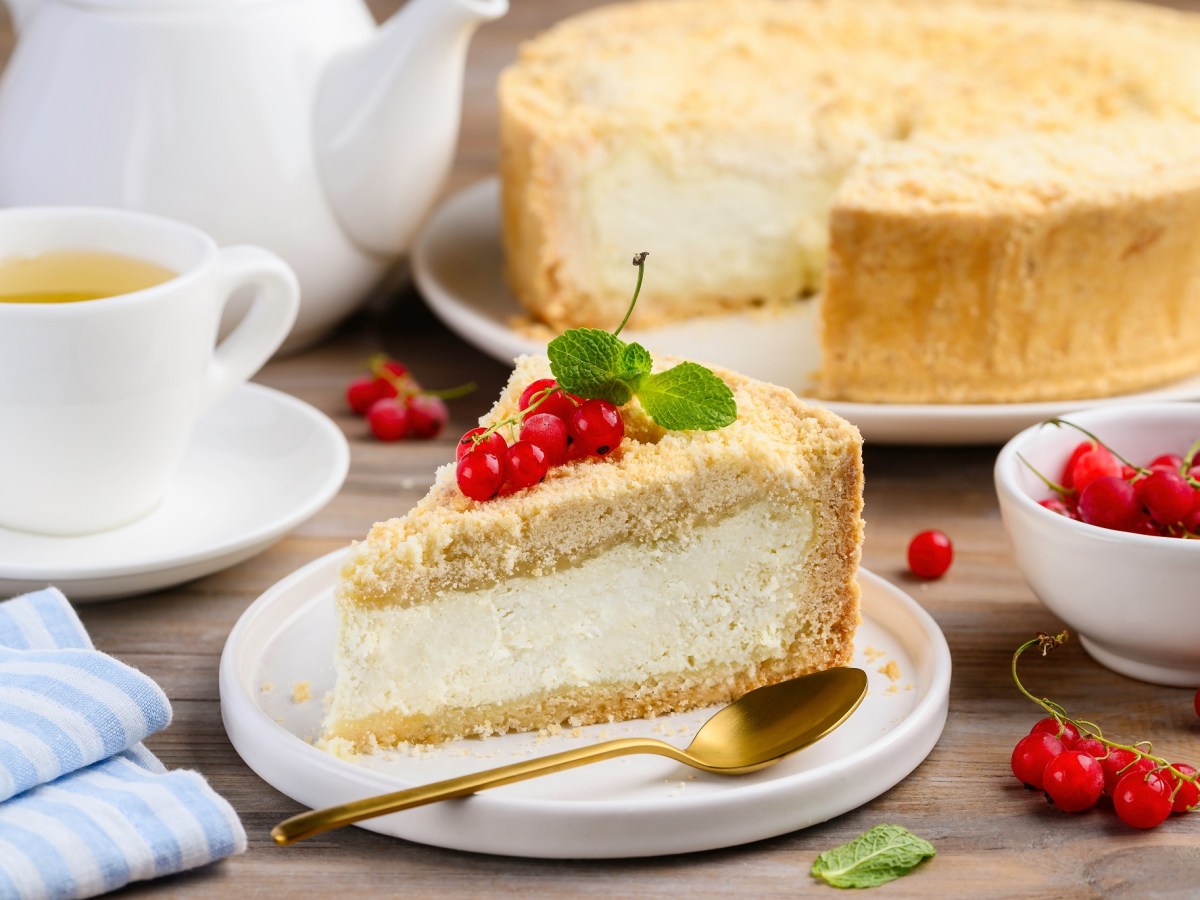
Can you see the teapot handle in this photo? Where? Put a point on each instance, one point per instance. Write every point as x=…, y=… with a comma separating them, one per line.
x=272, y=312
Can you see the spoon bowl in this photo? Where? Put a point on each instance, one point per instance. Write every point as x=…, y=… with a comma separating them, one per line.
x=756, y=730
x=774, y=721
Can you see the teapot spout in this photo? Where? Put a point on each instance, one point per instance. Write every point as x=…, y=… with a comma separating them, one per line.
x=387, y=119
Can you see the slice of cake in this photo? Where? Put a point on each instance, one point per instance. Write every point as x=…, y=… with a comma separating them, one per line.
x=681, y=570
x=988, y=194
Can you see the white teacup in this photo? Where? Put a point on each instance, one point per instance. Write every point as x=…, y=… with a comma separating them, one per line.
x=99, y=398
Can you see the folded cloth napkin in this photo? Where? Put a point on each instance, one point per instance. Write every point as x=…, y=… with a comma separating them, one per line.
x=84, y=807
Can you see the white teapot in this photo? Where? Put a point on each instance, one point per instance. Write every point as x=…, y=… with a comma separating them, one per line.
x=294, y=124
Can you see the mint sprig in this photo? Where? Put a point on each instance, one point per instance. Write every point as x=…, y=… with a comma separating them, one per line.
x=880, y=855
x=598, y=365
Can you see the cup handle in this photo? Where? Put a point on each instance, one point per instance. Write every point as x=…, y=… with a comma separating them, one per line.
x=267, y=322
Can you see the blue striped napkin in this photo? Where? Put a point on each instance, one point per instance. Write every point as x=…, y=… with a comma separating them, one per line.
x=84, y=807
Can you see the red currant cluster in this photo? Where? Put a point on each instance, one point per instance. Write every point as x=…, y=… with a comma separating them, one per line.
x=553, y=426
x=1076, y=770
x=1075, y=765
x=395, y=404
x=1101, y=488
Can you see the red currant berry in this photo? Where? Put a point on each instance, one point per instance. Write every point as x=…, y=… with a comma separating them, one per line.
x=558, y=403
x=388, y=420
x=1142, y=800
x=596, y=427
x=1074, y=781
x=527, y=465
x=393, y=368
x=494, y=442
x=1119, y=763
x=1031, y=756
x=1143, y=524
x=1171, y=461
x=1109, y=502
x=1188, y=794
x=930, y=554
x=361, y=393
x=427, y=416
x=1055, y=505
x=550, y=433
x=1096, y=463
x=1166, y=495
x=1067, y=479
x=480, y=474
x=1091, y=747
x=1191, y=522
x=1064, y=731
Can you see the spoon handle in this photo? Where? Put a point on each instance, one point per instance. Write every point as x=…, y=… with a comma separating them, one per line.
x=318, y=820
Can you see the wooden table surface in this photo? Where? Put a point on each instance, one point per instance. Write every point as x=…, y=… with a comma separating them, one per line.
x=993, y=837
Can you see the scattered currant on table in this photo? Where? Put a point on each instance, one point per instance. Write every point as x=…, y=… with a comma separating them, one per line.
x=576, y=414
x=1075, y=764
x=1100, y=487
x=930, y=554
x=394, y=403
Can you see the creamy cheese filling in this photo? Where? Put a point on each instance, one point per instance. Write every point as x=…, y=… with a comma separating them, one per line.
x=724, y=591
x=766, y=228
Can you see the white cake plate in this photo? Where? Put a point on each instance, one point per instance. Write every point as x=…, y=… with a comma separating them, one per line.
x=277, y=669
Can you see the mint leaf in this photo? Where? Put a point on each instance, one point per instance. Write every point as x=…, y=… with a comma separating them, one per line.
x=588, y=362
x=597, y=365
x=687, y=397
x=880, y=855
x=635, y=362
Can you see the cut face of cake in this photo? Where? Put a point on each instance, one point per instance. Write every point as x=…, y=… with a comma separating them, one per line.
x=682, y=570
x=986, y=193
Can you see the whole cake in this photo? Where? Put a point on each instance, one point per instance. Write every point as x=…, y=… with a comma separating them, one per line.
x=998, y=200
x=682, y=569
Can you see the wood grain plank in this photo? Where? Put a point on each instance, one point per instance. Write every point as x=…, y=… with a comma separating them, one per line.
x=994, y=838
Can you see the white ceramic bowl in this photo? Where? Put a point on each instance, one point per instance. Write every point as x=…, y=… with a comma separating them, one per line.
x=1132, y=599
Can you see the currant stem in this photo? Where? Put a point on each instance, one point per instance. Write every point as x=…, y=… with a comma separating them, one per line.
x=1057, y=488
x=406, y=386
x=1049, y=642
x=1189, y=459
x=517, y=418
x=449, y=393
x=1058, y=422
x=640, y=262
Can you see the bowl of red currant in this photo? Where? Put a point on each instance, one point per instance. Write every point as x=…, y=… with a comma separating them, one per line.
x=1102, y=508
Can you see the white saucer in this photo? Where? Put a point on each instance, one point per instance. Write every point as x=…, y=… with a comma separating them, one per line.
x=257, y=466
x=459, y=267
x=632, y=806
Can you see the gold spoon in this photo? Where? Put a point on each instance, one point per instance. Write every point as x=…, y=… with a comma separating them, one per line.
x=760, y=728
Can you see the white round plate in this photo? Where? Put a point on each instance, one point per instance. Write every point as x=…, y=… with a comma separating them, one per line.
x=280, y=653
x=258, y=464
x=458, y=265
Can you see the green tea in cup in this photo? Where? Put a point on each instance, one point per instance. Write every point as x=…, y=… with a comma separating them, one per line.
x=70, y=276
